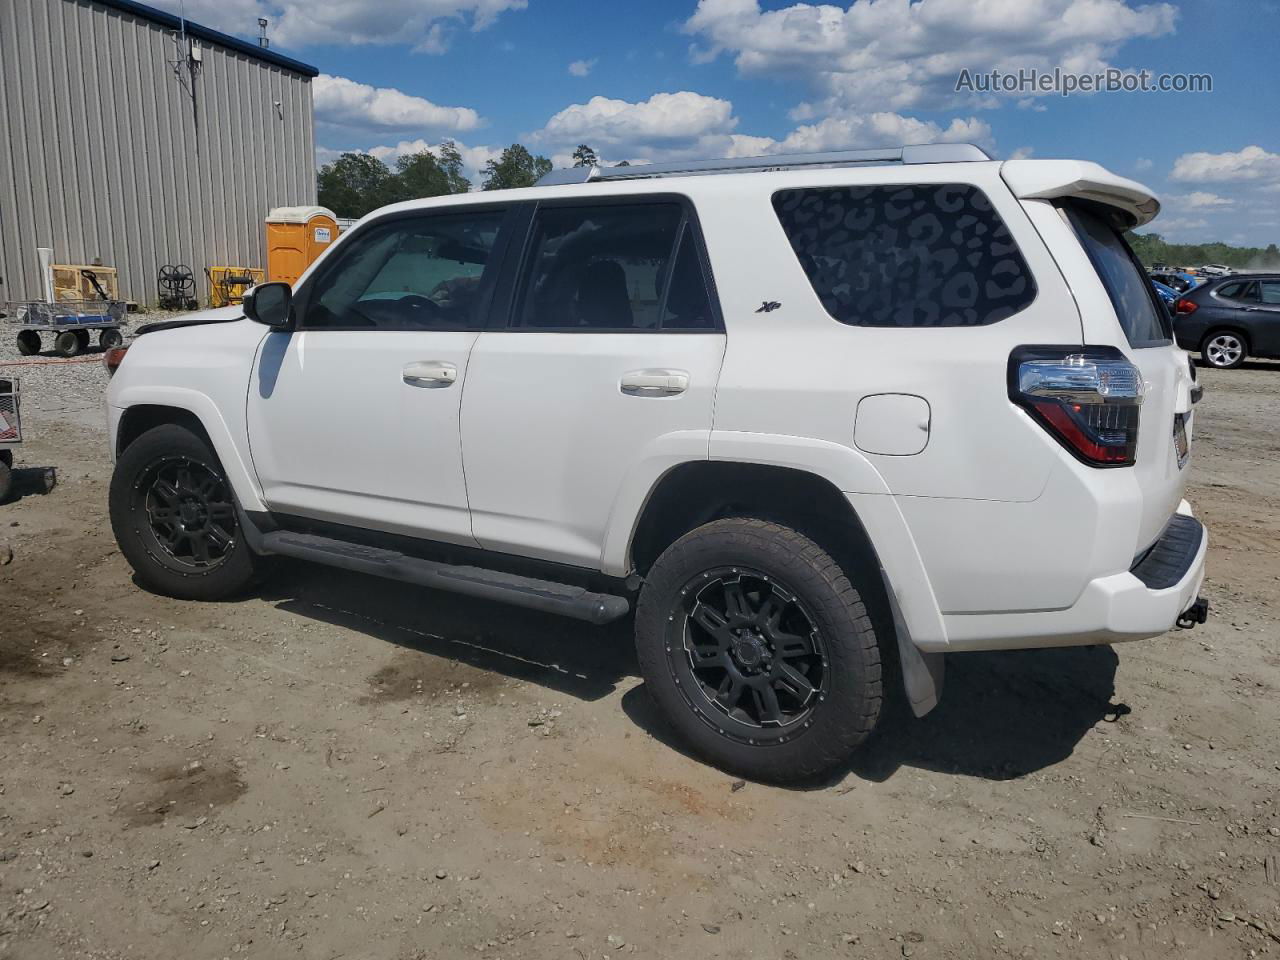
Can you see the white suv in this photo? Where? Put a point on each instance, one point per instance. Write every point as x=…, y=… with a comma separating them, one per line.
x=815, y=416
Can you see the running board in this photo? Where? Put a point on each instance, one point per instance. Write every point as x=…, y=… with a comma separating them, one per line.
x=560, y=598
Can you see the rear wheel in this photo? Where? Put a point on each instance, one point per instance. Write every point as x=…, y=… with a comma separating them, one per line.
x=109, y=339
x=759, y=651
x=28, y=343
x=174, y=517
x=68, y=343
x=1224, y=349
x=6, y=480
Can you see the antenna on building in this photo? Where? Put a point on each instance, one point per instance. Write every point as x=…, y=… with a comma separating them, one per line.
x=263, y=42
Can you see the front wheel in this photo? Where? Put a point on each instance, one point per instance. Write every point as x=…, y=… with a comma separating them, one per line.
x=759, y=651
x=28, y=343
x=174, y=517
x=1224, y=349
x=110, y=339
x=68, y=343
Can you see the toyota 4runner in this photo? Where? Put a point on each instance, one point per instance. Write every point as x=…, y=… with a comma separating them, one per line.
x=821, y=419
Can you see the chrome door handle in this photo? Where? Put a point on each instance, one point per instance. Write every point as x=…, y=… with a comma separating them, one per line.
x=654, y=383
x=430, y=373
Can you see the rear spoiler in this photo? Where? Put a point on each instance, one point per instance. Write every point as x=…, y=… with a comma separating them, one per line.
x=1058, y=179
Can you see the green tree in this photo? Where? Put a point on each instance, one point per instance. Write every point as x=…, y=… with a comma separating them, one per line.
x=1153, y=248
x=584, y=156
x=425, y=174
x=354, y=184
x=516, y=167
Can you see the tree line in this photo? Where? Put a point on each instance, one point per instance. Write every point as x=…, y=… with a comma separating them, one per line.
x=1153, y=248
x=356, y=183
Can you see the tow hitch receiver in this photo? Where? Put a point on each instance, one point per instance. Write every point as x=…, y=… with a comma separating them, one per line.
x=1195, y=614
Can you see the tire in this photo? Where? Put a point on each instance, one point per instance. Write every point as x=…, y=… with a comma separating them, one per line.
x=174, y=516
x=28, y=343
x=110, y=339
x=1224, y=349
x=6, y=481
x=791, y=586
x=68, y=343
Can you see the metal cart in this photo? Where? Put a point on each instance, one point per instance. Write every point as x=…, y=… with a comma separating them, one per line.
x=71, y=324
x=10, y=432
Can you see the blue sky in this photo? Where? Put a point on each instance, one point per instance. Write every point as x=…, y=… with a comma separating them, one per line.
x=677, y=78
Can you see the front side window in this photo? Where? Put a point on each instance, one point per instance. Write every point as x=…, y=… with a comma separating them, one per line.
x=613, y=267
x=926, y=255
x=411, y=273
x=1144, y=321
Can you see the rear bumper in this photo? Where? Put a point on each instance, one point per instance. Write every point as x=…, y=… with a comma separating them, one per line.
x=1144, y=601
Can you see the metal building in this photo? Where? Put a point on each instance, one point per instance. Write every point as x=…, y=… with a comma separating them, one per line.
x=136, y=139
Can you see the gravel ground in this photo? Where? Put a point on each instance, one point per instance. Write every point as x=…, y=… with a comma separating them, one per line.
x=50, y=385
x=343, y=767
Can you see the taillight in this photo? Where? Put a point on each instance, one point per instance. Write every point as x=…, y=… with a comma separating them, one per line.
x=112, y=358
x=1088, y=398
x=1184, y=306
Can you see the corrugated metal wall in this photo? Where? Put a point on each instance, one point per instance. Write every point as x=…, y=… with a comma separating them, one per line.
x=107, y=154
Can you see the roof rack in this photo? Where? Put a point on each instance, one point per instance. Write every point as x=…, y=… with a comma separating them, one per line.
x=915, y=153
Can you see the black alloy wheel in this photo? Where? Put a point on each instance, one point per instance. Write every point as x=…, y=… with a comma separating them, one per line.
x=748, y=656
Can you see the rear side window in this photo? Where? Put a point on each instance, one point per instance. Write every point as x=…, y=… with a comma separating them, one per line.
x=614, y=267
x=1143, y=318
x=929, y=255
x=1270, y=291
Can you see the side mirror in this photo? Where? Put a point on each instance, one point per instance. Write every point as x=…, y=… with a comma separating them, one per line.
x=270, y=304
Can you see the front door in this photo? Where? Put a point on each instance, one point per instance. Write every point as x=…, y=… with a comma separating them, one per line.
x=353, y=416
x=604, y=377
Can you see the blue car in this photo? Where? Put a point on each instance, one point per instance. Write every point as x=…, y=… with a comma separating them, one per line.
x=1180, y=282
x=1167, y=294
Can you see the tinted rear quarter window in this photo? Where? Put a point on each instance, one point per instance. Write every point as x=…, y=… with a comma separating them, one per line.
x=930, y=255
x=1143, y=318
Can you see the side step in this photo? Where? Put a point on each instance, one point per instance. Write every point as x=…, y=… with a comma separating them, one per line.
x=560, y=598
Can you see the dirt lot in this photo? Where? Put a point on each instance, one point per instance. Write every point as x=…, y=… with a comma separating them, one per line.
x=341, y=767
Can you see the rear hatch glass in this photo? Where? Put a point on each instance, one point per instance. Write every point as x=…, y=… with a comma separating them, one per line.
x=1145, y=320
x=1162, y=436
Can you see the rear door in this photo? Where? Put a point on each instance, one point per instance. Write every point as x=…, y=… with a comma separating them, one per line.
x=1267, y=319
x=601, y=376
x=1144, y=332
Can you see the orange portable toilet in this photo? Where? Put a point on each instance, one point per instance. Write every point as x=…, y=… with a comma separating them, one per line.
x=295, y=237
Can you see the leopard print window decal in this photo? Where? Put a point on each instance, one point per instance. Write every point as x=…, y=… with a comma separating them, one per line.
x=928, y=255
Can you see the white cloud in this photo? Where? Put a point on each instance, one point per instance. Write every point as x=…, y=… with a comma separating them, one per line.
x=580, y=68
x=1143, y=163
x=686, y=125
x=422, y=25
x=1250, y=164
x=667, y=116
x=1022, y=153
x=893, y=54
x=345, y=103
x=1186, y=229
x=1200, y=200
x=851, y=131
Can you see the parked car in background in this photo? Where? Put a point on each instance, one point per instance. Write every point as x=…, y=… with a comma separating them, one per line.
x=1231, y=318
x=1167, y=294
x=1181, y=282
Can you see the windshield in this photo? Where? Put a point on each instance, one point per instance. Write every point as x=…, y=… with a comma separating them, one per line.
x=1144, y=319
